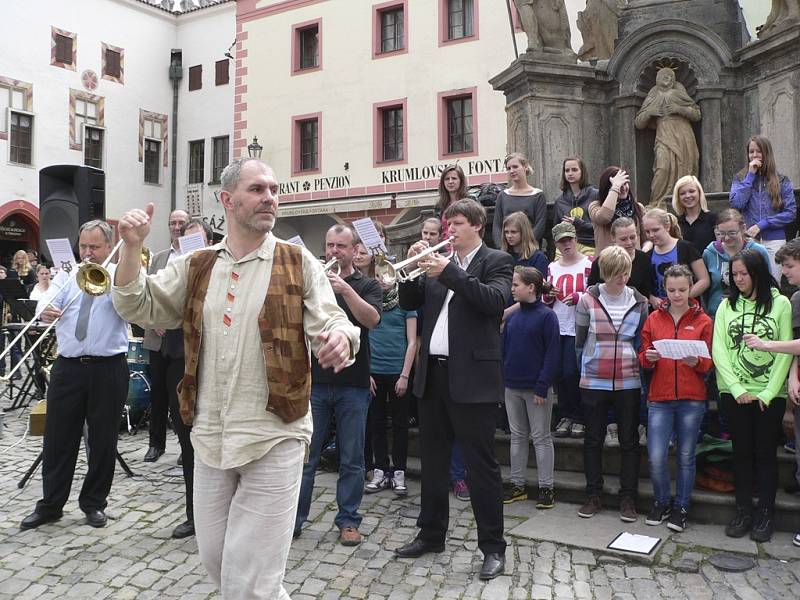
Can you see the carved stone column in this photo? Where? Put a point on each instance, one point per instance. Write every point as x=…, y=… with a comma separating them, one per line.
x=626, y=108
x=710, y=142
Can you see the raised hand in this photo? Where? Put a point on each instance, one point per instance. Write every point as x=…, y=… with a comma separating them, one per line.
x=134, y=226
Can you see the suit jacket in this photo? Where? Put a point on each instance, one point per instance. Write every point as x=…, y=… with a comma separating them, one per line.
x=475, y=364
x=172, y=341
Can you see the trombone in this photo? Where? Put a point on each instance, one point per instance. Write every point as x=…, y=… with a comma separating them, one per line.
x=91, y=278
x=390, y=273
x=333, y=265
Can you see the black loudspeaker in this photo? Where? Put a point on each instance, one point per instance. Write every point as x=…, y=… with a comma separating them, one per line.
x=69, y=196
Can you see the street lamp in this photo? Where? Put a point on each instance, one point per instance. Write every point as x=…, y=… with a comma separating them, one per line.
x=254, y=149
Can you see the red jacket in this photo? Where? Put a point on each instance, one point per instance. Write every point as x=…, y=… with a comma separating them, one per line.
x=672, y=379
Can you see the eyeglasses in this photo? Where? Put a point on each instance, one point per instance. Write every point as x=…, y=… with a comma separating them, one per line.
x=177, y=223
x=729, y=234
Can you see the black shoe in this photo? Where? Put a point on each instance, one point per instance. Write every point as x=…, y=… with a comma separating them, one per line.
x=96, y=518
x=183, y=530
x=152, y=454
x=762, y=526
x=33, y=520
x=741, y=523
x=546, y=498
x=494, y=564
x=658, y=514
x=417, y=548
x=677, y=520
x=514, y=493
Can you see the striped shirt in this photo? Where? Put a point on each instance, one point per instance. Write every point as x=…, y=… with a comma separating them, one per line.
x=616, y=306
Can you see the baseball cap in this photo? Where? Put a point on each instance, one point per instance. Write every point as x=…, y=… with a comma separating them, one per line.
x=563, y=230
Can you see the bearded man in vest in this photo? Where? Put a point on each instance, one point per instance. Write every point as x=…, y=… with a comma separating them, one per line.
x=250, y=308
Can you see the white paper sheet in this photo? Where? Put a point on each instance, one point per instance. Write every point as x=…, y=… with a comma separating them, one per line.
x=190, y=243
x=369, y=234
x=61, y=254
x=633, y=542
x=677, y=349
x=296, y=240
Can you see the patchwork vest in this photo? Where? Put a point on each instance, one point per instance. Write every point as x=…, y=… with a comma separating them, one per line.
x=280, y=324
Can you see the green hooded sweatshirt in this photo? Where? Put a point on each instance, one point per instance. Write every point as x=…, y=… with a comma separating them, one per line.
x=742, y=370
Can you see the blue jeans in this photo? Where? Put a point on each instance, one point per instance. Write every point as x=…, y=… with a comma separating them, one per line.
x=569, y=394
x=684, y=418
x=457, y=469
x=349, y=405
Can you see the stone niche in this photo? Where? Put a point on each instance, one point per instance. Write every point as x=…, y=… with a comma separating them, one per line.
x=742, y=87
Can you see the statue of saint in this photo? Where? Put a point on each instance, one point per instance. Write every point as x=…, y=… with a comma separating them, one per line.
x=670, y=110
x=782, y=11
x=546, y=24
x=598, y=24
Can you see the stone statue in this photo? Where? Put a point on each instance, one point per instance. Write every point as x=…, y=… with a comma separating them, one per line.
x=546, y=24
x=670, y=110
x=782, y=12
x=598, y=26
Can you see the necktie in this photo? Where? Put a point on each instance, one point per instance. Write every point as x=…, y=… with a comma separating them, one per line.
x=83, y=317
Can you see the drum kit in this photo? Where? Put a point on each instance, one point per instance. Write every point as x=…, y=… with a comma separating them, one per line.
x=137, y=404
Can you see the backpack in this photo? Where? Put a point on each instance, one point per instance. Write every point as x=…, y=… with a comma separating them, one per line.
x=487, y=194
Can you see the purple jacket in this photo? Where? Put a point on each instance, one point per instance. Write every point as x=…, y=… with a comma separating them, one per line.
x=750, y=196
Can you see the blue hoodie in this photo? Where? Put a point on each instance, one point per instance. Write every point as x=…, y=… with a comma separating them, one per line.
x=750, y=197
x=531, y=349
x=718, y=265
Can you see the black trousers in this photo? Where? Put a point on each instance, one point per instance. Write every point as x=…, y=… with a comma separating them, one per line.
x=163, y=378
x=78, y=392
x=595, y=412
x=472, y=425
x=174, y=373
x=379, y=432
x=755, y=436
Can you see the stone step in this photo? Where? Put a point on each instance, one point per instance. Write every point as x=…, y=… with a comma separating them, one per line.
x=707, y=507
x=569, y=456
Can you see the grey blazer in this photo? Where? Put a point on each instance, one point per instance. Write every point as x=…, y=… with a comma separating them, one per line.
x=159, y=261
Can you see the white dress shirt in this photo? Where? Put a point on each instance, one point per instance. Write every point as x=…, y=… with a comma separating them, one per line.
x=440, y=342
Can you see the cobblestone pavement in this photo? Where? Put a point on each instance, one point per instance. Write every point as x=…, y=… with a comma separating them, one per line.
x=134, y=557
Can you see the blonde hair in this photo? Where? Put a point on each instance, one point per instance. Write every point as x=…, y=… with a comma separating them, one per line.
x=668, y=220
x=686, y=180
x=523, y=160
x=21, y=263
x=527, y=241
x=614, y=261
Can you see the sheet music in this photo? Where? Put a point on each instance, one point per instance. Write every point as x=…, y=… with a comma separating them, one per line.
x=190, y=243
x=297, y=240
x=677, y=349
x=369, y=234
x=61, y=253
x=633, y=542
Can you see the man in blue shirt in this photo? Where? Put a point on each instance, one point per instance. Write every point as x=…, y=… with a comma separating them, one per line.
x=88, y=383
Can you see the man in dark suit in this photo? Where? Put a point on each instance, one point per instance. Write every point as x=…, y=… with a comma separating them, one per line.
x=166, y=349
x=459, y=379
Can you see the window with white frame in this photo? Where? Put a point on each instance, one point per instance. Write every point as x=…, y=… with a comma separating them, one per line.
x=197, y=150
x=152, y=151
x=459, y=124
x=220, y=148
x=85, y=114
x=93, y=146
x=12, y=98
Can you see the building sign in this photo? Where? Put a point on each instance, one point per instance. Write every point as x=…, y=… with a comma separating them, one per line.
x=319, y=184
x=194, y=200
x=471, y=167
x=10, y=230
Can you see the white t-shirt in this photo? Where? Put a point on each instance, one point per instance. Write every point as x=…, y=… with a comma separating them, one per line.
x=567, y=281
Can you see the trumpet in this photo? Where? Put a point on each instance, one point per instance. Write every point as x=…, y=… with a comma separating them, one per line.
x=390, y=273
x=92, y=279
x=331, y=265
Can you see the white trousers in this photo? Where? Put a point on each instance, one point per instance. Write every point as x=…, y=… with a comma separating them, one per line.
x=772, y=247
x=244, y=518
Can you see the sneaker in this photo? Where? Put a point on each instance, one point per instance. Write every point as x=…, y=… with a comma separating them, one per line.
x=546, y=498
x=612, y=439
x=380, y=481
x=461, y=490
x=349, y=536
x=578, y=430
x=642, y=435
x=790, y=446
x=627, y=510
x=677, y=520
x=590, y=508
x=762, y=526
x=796, y=539
x=563, y=427
x=514, y=493
x=741, y=523
x=658, y=514
x=399, y=483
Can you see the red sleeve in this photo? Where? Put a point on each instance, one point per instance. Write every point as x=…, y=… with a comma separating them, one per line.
x=647, y=340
